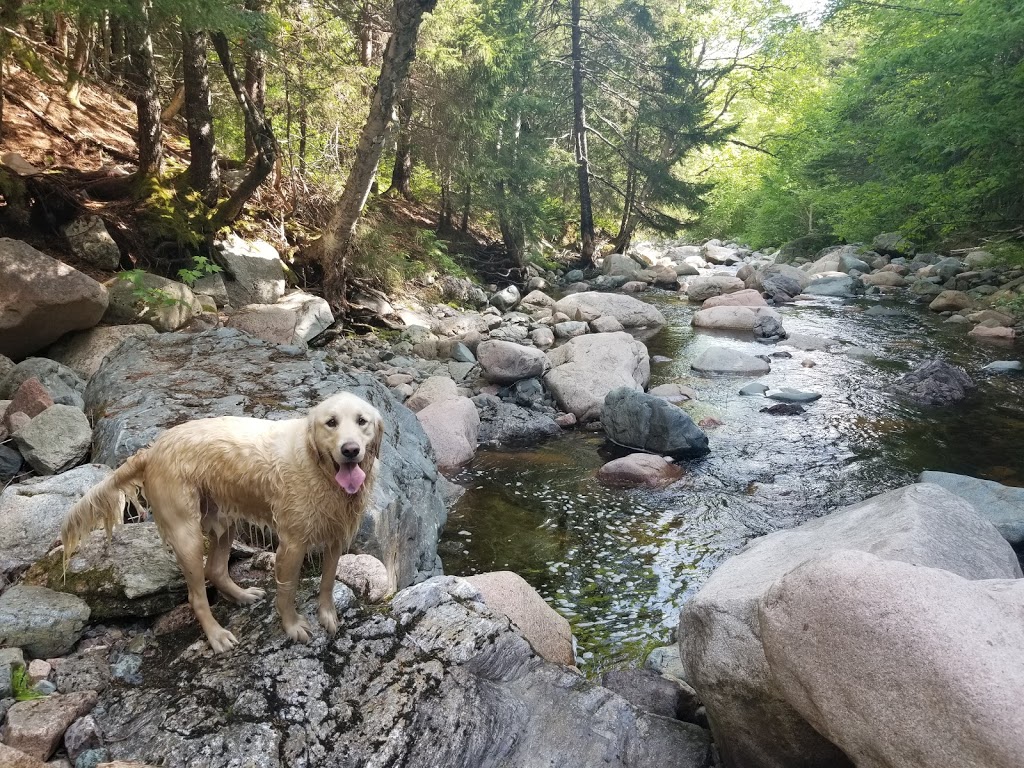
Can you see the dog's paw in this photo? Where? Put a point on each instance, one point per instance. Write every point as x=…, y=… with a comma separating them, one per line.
x=251, y=595
x=221, y=640
x=328, y=619
x=300, y=631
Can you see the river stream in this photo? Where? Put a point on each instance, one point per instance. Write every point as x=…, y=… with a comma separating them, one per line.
x=620, y=563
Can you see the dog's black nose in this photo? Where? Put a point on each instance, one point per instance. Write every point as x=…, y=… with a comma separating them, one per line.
x=350, y=450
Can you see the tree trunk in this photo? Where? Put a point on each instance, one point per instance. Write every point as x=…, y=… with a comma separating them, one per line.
x=203, y=174
x=117, y=49
x=255, y=78
x=60, y=35
x=142, y=81
x=303, y=130
x=175, y=105
x=402, y=173
x=365, y=35
x=263, y=133
x=79, y=60
x=580, y=137
x=467, y=199
x=336, y=243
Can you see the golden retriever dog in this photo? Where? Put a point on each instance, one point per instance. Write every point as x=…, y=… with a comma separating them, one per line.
x=310, y=479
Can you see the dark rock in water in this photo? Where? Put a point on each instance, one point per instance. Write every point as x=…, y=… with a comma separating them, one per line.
x=434, y=679
x=526, y=392
x=654, y=693
x=508, y=424
x=877, y=310
x=782, y=355
x=638, y=420
x=10, y=463
x=784, y=409
x=936, y=382
x=153, y=383
x=768, y=325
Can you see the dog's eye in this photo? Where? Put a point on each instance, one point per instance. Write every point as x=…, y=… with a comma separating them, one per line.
x=361, y=421
x=332, y=422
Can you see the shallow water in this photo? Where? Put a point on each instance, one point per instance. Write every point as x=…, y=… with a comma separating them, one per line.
x=620, y=563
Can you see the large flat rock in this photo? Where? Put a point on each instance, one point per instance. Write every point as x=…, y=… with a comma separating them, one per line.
x=590, y=305
x=1001, y=505
x=435, y=678
x=154, y=383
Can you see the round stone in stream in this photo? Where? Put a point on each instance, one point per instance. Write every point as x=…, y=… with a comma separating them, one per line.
x=754, y=388
x=787, y=395
x=1004, y=366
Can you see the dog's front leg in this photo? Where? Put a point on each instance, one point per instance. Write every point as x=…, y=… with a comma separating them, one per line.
x=326, y=612
x=286, y=571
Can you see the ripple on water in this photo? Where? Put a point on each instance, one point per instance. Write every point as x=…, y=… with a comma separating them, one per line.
x=620, y=563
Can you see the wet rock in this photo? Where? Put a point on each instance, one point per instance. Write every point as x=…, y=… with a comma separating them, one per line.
x=506, y=298
x=1004, y=366
x=768, y=325
x=998, y=333
x=780, y=281
x=42, y=299
x=90, y=241
x=43, y=622
x=452, y=427
x=165, y=304
x=587, y=368
x=295, y=319
x=84, y=351
x=647, y=690
x=665, y=661
x=504, y=362
x=702, y=288
x=151, y=384
x=806, y=343
x=936, y=382
x=37, y=727
x=131, y=574
x=64, y=385
x=648, y=423
x=56, y=440
x=548, y=633
x=951, y=301
x=632, y=313
x=787, y=395
x=507, y=424
x=784, y=409
x=673, y=392
x=840, y=286
x=740, y=318
x=1001, y=505
x=31, y=514
x=719, y=635
x=639, y=469
x=366, y=576
x=754, y=388
x=872, y=653
x=253, y=271
x=991, y=317
x=435, y=661
x=721, y=360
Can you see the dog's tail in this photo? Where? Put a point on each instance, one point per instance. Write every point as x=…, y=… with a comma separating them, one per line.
x=103, y=504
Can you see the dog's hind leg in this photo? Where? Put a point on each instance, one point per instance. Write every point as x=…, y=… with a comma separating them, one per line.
x=217, y=569
x=176, y=511
x=326, y=612
x=286, y=571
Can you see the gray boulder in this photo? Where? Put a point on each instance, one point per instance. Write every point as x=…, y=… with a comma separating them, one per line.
x=590, y=305
x=511, y=425
x=649, y=423
x=719, y=633
x=721, y=360
x=700, y=288
x=619, y=264
x=803, y=248
x=839, y=286
x=31, y=513
x=572, y=328
x=586, y=368
x=42, y=299
x=164, y=304
x=1001, y=505
x=435, y=389
x=452, y=427
x=936, y=382
x=900, y=665
x=295, y=319
x=130, y=574
x=506, y=298
x=893, y=244
x=504, y=362
x=84, y=351
x=435, y=679
x=780, y=281
x=56, y=440
x=64, y=385
x=848, y=262
x=152, y=384
x=90, y=241
x=42, y=622
x=253, y=271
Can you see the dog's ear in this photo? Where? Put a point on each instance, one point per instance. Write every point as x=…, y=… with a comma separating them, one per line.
x=373, y=449
x=311, y=445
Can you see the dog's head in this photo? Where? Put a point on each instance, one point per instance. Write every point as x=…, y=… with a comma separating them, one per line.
x=345, y=433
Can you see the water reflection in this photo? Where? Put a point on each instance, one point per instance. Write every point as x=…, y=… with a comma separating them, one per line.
x=619, y=564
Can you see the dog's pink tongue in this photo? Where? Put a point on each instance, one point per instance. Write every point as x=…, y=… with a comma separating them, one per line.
x=350, y=477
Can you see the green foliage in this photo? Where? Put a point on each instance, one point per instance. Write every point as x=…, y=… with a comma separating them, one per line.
x=201, y=267
x=147, y=295
x=22, y=686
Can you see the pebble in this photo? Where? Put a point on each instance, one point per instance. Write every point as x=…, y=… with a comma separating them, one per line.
x=1003, y=366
